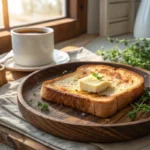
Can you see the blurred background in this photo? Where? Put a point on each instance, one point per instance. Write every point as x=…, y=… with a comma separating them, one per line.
x=69, y=18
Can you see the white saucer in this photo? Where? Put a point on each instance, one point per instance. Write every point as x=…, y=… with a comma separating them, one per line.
x=60, y=57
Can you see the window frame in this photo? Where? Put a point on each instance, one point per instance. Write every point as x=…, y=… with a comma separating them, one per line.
x=74, y=24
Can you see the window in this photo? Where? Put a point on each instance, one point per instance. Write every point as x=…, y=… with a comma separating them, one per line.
x=22, y=12
x=67, y=17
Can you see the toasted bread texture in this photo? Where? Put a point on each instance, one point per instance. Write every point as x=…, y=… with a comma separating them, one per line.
x=126, y=87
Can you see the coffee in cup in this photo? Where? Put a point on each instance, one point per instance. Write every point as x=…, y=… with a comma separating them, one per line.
x=33, y=46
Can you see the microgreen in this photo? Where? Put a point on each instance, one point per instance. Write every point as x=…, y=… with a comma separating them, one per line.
x=141, y=104
x=96, y=75
x=43, y=106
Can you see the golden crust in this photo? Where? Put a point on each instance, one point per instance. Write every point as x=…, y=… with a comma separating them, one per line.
x=102, y=106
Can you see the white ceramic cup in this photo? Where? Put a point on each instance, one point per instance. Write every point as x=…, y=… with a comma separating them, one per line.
x=33, y=46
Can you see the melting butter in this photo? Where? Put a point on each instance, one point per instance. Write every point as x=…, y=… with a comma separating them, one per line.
x=92, y=85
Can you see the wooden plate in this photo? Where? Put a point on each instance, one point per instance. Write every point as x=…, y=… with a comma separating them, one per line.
x=72, y=124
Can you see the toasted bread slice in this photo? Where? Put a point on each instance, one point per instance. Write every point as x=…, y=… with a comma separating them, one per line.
x=126, y=87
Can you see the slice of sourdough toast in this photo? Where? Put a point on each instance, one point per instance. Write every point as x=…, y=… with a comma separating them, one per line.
x=126, y=86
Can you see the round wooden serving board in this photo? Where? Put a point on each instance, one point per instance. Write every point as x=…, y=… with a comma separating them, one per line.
x=72, y=124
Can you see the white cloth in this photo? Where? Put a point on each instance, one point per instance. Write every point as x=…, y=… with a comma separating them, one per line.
x=5, y=147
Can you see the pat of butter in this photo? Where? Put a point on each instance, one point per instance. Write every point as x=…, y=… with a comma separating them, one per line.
x=92, y=84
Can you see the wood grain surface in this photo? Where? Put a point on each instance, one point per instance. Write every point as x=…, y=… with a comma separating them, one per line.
x=72, y=124
x=19, y=141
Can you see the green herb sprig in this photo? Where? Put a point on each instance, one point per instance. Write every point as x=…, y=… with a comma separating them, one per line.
x=136, y=53
x=43, y=106
x=141, y=104
x=96, y=75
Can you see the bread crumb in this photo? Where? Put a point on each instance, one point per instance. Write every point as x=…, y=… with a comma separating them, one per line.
x=83, y=114
x=65, y=71
x=107, y=120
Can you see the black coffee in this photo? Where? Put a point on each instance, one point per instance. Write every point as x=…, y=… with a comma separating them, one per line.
x=30, y=31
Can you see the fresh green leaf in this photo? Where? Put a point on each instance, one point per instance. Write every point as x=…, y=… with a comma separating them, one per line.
x=43, y=106
x=96, y=75
x=141, y=104
x=132, y=114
